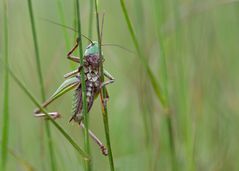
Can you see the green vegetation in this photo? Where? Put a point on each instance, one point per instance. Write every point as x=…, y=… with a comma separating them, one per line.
x=103, y=91
x=5, y=117
x=83, y=85
x=173, y=106
x=42, y=89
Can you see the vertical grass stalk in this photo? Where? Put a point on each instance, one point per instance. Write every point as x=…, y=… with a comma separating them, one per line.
x=162, y=96
x=5, y=127
x=143, y=60
x=103, y=94
x=144, y=99
x=140, y=27
x=39, y=71
x=90, y=19
x=165, y=87
x=182, y=70
x=83, y=84
x=63, y=21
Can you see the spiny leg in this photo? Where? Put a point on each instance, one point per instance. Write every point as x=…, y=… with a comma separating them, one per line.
x=97, y=141
x=54, y=115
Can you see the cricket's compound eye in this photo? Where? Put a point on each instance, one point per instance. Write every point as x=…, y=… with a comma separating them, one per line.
x=90, y=45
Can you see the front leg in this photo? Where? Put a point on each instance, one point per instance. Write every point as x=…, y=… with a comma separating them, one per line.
x=71, y=56
x=73, y=73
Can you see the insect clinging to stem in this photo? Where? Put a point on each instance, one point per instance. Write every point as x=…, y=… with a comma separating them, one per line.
x=91, y=68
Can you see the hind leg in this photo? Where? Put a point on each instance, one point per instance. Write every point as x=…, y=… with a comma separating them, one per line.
x=54, y=115
x=97, y=141
x=66, y=86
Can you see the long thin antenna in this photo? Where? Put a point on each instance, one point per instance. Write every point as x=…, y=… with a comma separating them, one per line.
x=119, y=46
x=101, y=34
x=102, y=24
x=69, y=28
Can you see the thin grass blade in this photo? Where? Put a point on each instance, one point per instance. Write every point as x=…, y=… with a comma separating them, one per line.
x=63, y=21
x=40, y=77
x=5, y=132
x=32, y=98
x=103, y=94
x=162, y=96
x=82, y=73
x=143, y=60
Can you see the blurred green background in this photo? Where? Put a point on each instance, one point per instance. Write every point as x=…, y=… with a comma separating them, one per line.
x=200, y=41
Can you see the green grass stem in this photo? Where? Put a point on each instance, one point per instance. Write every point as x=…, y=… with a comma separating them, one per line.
x=63, y=21
x=5, y=132
x=90, y=18
x=162, y=95
x=103, y=95
x=165, y=85
x=83, y=84
x=39, y=71
x=182, y=70
x=143, y=60
x=32, y=98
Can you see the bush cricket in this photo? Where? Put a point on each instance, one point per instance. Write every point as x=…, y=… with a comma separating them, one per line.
x=90, y=66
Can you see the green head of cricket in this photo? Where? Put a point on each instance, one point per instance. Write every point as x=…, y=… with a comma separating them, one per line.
x=91, y=54
x=92, y=49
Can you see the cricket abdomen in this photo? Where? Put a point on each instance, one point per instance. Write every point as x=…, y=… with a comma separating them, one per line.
x=92, y=80
x=92, y=89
